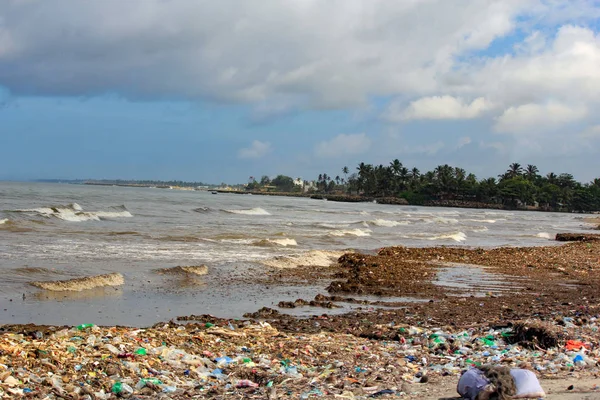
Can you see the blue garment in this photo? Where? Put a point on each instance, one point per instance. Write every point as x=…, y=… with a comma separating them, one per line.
x=471, y=383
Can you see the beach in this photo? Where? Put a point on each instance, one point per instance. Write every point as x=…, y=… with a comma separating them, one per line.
x=521, y=312
x=120, y=292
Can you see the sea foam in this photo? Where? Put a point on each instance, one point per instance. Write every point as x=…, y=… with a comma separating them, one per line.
x=456, y=236
x=184, y=270
x=387, y=223
x=351, y=232
x=252, y=211
x=79, y=284
x=74, y=213
x=279, y=242
x=314, y=258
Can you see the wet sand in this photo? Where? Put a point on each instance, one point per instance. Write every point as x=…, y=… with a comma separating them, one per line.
x=452, y=289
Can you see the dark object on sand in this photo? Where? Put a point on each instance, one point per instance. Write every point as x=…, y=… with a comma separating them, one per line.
x=535, y=334
x=577, y=237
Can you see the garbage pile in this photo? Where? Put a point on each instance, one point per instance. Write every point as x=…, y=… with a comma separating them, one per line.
x=252, y=359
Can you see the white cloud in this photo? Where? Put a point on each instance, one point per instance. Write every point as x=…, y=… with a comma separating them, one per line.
x=317, y=54
x=538, y=118
x=257, y=149
x=438, y=107
x=343, y=145
x=463, y=141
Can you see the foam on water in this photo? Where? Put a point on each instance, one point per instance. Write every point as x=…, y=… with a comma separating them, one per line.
x=283, y=242
x=79, y=284
x=443, y=220
x=184, y=270
x=482, y=229
x=488, y=221
x=314, y=258
x=252, y=211
x=351, y=232
x=456, y=236
x=3, y=221
x=74, y=213
x=544, y=235
x=387, y=223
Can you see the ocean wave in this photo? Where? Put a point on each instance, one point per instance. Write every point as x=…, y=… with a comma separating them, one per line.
x=74, y=213
x=481, y=229
x=184, y=270
x=456, y=236
x=313, y=258
x=79, y=284
x=387, y=223
x=252, y=211
x=444, y=220
x=3, y=221
x=544, y=235
x=351, y=232
x=487, y=221
x=332, y=226
x=179, y=239
x=278, y=242
x=203, y=210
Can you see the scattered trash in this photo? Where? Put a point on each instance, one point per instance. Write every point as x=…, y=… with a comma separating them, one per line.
x=253, y=359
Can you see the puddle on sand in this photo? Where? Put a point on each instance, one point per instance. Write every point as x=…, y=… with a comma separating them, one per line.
x=475, y=279
x=344, y=305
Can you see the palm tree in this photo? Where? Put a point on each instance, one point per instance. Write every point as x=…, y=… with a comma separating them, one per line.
x=345, y=171
x=531, y=172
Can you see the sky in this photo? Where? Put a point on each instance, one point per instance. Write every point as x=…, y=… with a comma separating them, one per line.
x=217, y=91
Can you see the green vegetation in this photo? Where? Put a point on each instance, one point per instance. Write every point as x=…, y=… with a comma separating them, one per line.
x=518, y=187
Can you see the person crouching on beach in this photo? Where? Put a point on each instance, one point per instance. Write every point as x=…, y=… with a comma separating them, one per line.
x=499, y=383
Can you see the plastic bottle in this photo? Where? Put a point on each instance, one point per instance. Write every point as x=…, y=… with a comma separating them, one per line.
x=84, y=326
x=112, y=349
x=122, y=387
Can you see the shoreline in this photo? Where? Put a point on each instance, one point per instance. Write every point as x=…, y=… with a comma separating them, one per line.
x=401, y=201
x=381, y=347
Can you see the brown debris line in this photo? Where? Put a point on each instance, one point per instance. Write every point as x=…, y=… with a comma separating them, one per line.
x=382, y=275
x=310, y=303
x=536, y=334
x=577, y=237
x=576, y=260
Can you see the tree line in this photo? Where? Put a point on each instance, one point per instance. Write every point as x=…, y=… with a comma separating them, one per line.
x=517, y=187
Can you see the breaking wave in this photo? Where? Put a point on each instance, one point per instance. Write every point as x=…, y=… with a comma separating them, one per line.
x=456, y=236
x=203, y=210
x=387, y=223
x=279, y=242
x=74, y=213
x=487, y=221
x=313, y=258
x=3, y=221
x=333, y=226
x=79, y=284
x=184, y=270
x=544, y=235
x=351, y=232
x=252, y=211
x=443, y=220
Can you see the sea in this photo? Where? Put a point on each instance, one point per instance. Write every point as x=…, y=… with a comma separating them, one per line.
x=164, y=253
